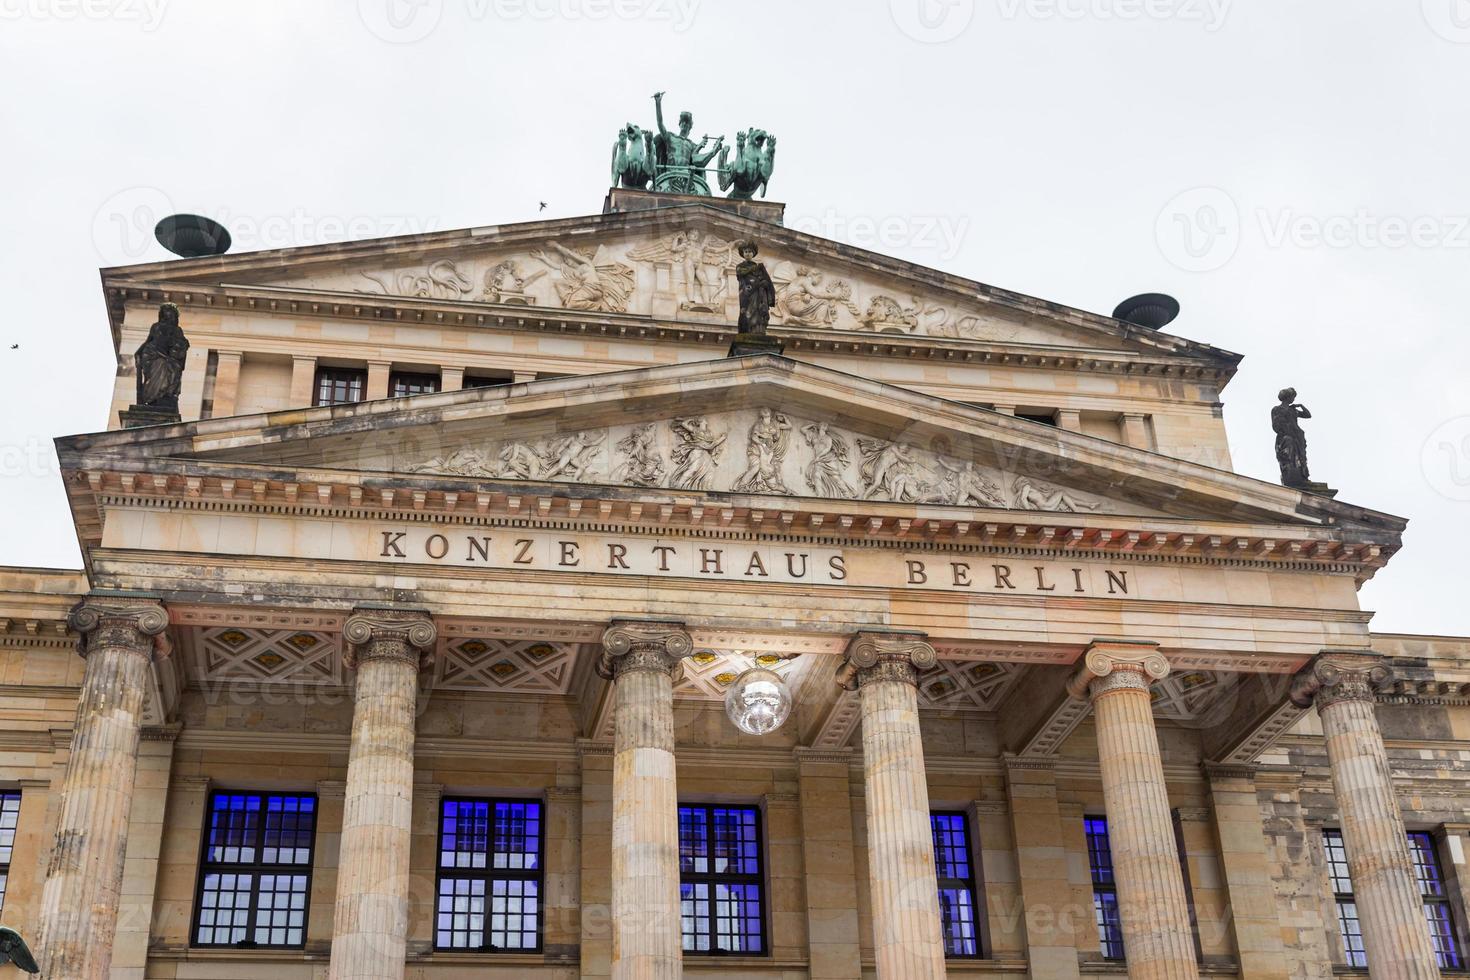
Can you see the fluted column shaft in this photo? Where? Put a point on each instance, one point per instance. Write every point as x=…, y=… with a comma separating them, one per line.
x=370, y=925
x=642, y=659
x=907, y=936
x=79, y=901
x=1152, y=905
x=1391, y=910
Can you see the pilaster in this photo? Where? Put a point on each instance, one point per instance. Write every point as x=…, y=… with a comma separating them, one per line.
x=1051, y=915
x=828, y=860
x=1255, y=918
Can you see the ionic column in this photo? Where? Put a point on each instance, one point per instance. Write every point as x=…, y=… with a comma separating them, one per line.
x=907, y=940
x=370, y=924
x=1343, y=687
x=1151, y=900
x=641, y=659
x=79, y=902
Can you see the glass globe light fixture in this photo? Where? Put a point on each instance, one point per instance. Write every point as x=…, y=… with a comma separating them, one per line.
x=758, y=701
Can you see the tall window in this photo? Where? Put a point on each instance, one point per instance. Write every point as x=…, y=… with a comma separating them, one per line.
x=489, y=876
x=9, y=815
x=721, y=895
x=255, y=873
x=956, y=884
x=1104, y=888
x=402, y=383
x=1436, y=901
x=340, y=386
x=1348, y=925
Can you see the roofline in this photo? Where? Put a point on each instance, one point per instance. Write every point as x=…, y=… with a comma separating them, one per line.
x=490, y=234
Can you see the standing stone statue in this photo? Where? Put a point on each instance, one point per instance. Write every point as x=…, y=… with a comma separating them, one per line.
x=1291, y=441
x=757, y=292
x=160, y=362
x=680, y=162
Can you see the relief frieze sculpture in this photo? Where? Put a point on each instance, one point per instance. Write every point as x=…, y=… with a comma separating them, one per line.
x=704, y=260
x=441, y=280
x=783, y=455
x=587, y=279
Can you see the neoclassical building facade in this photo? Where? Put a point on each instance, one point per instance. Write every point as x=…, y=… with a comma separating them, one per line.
x=404, y=649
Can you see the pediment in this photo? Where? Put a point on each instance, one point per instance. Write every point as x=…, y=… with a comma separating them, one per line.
x=751, y=427
x=678, y=265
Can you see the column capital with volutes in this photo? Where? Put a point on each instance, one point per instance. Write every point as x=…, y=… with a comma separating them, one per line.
x=130, y=622
x=873, y=656
x=1114, y=665
x=388, y=633
x=1335, y=676
x=642, y=644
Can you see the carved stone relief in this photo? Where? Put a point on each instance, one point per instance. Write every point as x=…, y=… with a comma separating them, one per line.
x=441, y=280
x=783, y=455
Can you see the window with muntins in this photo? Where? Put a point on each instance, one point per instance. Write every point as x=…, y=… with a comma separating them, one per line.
x=1104, y=888
x=721, y=891
x=402, y=384
x=255, y=872
x=1348, y=925
x=1436, y=901
x=340, y=386
x=955, y=869
x=9, y=816
x=490, y=876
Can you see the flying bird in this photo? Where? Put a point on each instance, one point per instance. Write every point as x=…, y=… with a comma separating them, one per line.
x=543, y=205
x=13, y=949
x=15, y=346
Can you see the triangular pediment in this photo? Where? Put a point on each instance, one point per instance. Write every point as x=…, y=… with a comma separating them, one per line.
x=674, y=265
x=752, y=427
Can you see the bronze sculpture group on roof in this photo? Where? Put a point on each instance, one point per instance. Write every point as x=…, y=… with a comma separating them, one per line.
x=673, y=163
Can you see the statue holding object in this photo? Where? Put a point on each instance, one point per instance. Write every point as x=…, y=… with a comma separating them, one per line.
x=679, y=162
x=1291, y=444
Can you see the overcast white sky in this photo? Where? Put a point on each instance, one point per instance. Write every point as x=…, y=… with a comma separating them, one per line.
x=1294, y=172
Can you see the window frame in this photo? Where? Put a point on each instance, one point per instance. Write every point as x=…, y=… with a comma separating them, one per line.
x=716, y=878
x=1442, y=901
x=417, y=379
x=970, y=884
x=6, y=795
x=256, y=869
x=490, y=874
x=324, y=371
x=1110, y=887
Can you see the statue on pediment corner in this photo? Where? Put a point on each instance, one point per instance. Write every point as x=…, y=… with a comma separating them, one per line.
x=504, y=284
x=826, y=474
x=632, y=158
x=159, y=361
x=757, y=291
x=1029, y=494
x=696, y=453
x=770, y=435
x=808, y=300
x=441, y=280
x=1291, y=441
x=755, y=161
x=589, y=282
x=643, y=465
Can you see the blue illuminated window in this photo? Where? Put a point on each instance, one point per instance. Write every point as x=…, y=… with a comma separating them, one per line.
x=490, y=876
x=1104, y=888
x=9, y=817
x=255, y=873
x=1436, y=901
x=721, y=893
x=958, y=915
